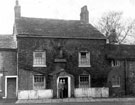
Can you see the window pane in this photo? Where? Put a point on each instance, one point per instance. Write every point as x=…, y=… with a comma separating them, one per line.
x=115, y=63
x=38, y=55
x=83, y=55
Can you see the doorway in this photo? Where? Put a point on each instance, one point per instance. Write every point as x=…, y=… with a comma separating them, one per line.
x=66, y=92
x=11, y=88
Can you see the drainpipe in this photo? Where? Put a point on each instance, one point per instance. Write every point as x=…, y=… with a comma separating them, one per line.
x=125, y=75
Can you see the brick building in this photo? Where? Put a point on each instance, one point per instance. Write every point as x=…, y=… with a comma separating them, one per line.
x=122, y=59
x=50, y=51
x=8, y=67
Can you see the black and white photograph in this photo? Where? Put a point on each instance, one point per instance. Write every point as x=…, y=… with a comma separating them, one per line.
x=67, y=52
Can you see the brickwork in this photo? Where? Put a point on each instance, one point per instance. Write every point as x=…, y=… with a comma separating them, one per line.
x=71, y=47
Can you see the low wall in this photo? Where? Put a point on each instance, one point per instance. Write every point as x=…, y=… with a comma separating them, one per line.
x=78, y=92
x=91, y=92
x=35, y=94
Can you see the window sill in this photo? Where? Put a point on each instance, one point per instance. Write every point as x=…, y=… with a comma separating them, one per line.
x=116, y=86
x=84, y=66
x=39, y=89
x=39, y=66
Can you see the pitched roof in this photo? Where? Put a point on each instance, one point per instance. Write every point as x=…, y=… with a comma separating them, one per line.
x=56, y=28
x=7, y=42
x=120, y=51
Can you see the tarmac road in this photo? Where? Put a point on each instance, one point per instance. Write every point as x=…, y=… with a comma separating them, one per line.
x=71, y=103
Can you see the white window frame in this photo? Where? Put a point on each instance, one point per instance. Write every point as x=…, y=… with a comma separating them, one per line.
x=89, y=85
x=115, y=63
x=34, y=82
x=116, y=85
x=34, y=58
x=87, y=59
x=1, y=74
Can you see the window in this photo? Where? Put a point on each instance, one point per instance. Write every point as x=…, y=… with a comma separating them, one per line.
x=115, y=63
x=1, y=82
x=39, y=81
x=84, y=81
x=39, y=59
x=116, y=81
x=84, y=59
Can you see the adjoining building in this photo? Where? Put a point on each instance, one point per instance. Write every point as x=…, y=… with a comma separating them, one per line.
x=8, y=67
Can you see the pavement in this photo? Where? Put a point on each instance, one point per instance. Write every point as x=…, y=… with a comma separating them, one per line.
x=8, y=101
x=73, y=100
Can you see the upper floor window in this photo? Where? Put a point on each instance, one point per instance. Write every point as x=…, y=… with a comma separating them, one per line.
x=116, y=81
x=84, y=81
x=84, y=59
x=39, y=59
x=39, y=81
x=115, y=63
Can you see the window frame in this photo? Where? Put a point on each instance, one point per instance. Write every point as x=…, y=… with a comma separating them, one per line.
x=89, y=84
x=80, y=64
x=43, y=54
x=35, y=88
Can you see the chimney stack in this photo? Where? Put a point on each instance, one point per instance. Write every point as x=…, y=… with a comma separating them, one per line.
x=17, y=10
x=84, y=15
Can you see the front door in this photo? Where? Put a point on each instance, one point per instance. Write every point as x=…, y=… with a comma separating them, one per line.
x=11, y=87
x=63, y=93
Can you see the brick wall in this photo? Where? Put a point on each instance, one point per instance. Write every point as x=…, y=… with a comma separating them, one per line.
x=71, y=47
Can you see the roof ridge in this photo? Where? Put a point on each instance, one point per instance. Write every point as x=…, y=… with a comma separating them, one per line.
x=47, y=19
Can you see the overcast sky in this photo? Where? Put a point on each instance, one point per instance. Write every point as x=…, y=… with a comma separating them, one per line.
x=61, y=9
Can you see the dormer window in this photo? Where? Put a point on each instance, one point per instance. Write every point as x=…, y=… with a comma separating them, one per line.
x=84, y=59
x=39, y=59
x=115, y=63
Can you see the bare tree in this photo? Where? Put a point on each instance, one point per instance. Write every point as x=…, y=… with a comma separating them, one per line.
x=114, y=21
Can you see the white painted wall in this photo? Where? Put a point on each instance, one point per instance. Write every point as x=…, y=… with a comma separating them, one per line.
x=35, y=94
x=91, y=92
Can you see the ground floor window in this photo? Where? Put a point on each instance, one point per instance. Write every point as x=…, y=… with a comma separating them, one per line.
x=116, y=81
x=39, y=81
x=84, y=81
